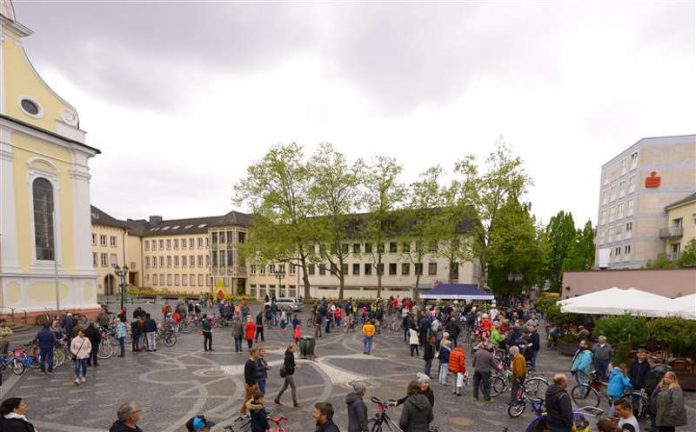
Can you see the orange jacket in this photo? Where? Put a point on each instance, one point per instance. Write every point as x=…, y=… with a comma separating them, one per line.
x=368, y=330
x=519, y=366
x=457, y=361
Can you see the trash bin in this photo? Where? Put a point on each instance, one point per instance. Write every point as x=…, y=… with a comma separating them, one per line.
x=307, y=344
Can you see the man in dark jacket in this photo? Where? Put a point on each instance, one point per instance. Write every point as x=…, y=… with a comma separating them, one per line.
x=639, y=369
x=47, y=341
x=250, y=379
x=68, y=324
x=453, y=329
x=417, y=412
x=289, y=370
x=92, y=333
x=558, y=405
x=357, y=410
x=536, y=345
x=323, y=417
x=128, y=417
x=484, y=365
x=150, y=329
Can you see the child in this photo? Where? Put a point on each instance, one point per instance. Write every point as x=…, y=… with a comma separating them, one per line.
x=444, y=355
x=297, y=333
x=259, y=417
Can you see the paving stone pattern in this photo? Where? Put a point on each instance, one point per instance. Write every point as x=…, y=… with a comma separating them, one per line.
x=174, y=384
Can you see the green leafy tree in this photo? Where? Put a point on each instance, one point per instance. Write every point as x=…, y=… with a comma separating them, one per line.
x=516, y=256
x=488, y=193
x=675, y=335
x=687, y=257
x=382, y=195
x=335, y=192
x=618, y=329
x=560, y=235
x=453, y=227
x=276, y=190
x=581, y=253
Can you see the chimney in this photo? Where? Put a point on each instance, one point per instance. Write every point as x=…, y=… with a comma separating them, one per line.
x=155, y=220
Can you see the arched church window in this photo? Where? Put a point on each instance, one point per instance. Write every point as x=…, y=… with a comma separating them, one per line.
x=43, y=219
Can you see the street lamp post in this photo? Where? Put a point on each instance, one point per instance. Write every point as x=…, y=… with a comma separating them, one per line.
x=122, y=272
x=280, y=275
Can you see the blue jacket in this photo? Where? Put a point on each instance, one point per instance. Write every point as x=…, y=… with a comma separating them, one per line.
x=618, y=382
x=582, y=361
x=444, y=354
x=121, y=330
x=47, y=340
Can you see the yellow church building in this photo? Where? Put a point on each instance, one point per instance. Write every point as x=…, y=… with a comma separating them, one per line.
x=45, y=225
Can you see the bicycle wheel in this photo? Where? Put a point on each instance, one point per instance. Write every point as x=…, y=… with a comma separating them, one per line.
x=106, y=350
x=584, y=395
x=170, y=339
x=18, y=367
x=374, y=426
x=536, y=387
x=640, y=405
x=516, y=408
x=498, y=385
x=186, y=327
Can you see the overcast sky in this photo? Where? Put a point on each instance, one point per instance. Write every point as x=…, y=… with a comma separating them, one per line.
x=182, y=96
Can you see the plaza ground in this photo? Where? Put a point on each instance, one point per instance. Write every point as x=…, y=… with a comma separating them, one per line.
x=174, y=384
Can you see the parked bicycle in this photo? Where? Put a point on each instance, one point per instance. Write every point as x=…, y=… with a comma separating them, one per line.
x=591, y=392
x=519, y=405
x=167, y=336
x=13, y=362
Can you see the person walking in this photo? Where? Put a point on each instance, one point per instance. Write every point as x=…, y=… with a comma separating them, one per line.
x=13, y=416
x=357, y=410
x=297, y=333
x=603, y=354
x=413, y=341
x=519, y=371
x=287, y=371
x=47, y=341
x=249, y=331
x=484, y=365
x=457, y=365
x=150, y=330
x=429, y=354
x=121, y=336
x=259, y=327
x=444, y=355
x=669, y=404
x=251, y=384
x=80, y=347
x=417, y=412
x=128, y=416
x=237, y=334
x=94, y=336
x=559, y=408
x=261, y=370
x=207, y=331
x=368, y=330
x=5, y=337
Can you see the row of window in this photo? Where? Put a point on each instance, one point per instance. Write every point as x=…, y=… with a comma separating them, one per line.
x=176, y=280
x=227, y=237
x=616, y=255
x=617, y=212
x=113, y=240
x=104, y=261
x=393, y=269
x=185, y=261
x=624, y=166
x=615, y=233
x=185, y=243
x=619, y=190
x=357, y=248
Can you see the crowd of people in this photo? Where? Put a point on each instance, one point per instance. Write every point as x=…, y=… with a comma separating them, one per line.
x=499, y=338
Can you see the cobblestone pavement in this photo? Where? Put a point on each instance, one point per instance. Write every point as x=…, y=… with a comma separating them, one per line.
x=176, y=383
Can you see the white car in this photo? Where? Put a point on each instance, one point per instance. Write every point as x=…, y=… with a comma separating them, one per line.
x=287, y=304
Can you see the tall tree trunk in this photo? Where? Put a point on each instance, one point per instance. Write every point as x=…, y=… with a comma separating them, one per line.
x=415, y=291
x=305, y=276
x=379, y=273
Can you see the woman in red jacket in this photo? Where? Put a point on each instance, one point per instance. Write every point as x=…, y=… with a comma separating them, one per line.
x=250, y=330
x=457, y=365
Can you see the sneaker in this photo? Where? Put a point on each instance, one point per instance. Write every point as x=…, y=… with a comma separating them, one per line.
x=83, y=379
x=277, y=402
x=77, y=381
x=295, y=405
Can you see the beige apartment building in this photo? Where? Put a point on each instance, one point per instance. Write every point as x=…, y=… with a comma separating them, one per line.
x=635, y=188
x=680, y=226
x=109, y=237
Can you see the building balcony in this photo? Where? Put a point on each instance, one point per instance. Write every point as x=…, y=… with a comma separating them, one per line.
x=671, y=232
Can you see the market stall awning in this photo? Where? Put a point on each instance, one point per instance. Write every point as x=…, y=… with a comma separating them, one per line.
x=686, y=306
x=457, y=292
x=617, y=301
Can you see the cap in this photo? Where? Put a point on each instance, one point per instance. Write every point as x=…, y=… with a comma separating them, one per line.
x=197, y=423
x=421, y=378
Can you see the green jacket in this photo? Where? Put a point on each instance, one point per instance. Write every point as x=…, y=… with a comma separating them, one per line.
x=670, y=407
x=5, y=334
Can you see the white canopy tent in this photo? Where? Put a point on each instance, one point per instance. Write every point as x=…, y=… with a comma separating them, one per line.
x=686, y=306
x=617, y=301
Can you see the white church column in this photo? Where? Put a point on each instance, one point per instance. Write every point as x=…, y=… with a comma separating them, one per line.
x=9, y=258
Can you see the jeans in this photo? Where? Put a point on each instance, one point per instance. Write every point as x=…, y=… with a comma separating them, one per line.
x=516, y=386
x=151, y=343
x=46, y=354
x=81, y=367
x=428, y=366
x=289, y=381
x=444, y=370
x=262, y=385
x=482, y=380
x=93, y=357
x=136, y=345
x=238, y=344
x=259, y=332
x=367, y=344
x=250, y=342
x=532, y=361
x=601, y=368
x=122, y=344
x=207, y=341
x=414, y=349
x=582, y=378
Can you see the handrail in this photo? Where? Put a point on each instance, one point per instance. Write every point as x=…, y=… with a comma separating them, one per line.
x=12, y=313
